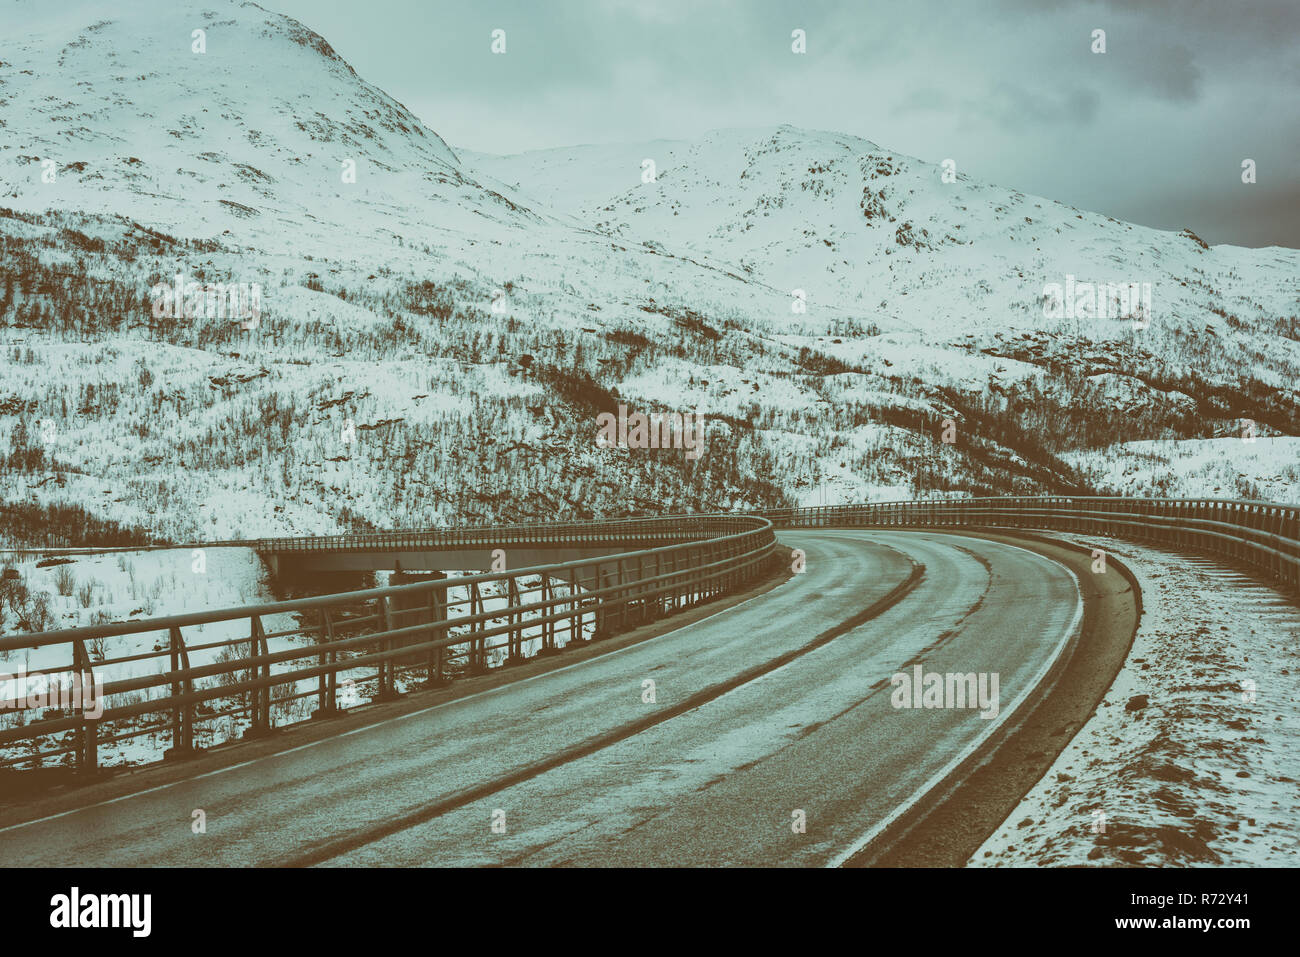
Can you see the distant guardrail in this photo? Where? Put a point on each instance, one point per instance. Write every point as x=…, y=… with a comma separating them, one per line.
x=1265, y=535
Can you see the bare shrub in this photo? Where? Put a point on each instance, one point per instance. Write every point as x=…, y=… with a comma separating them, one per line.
x=64, y=580
x=40, y=616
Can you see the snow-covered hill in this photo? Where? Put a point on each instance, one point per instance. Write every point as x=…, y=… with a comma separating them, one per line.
x=857, y=226
x=438, y=337
x=247, y=139
x=954, y=274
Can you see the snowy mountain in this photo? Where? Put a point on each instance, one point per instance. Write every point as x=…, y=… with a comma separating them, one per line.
x=953, y=272
x=438, y=337
x=859, y=227
x=234, y=123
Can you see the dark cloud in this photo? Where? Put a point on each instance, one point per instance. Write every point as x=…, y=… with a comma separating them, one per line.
x=1256, y=24
x=1168, y=71
x=1010, y=88
x=1019, y=108
x=1267, y=216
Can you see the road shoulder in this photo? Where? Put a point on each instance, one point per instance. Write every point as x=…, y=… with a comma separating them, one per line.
x=946, y=827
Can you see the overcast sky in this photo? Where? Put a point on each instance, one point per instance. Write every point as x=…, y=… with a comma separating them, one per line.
x=1153, y=131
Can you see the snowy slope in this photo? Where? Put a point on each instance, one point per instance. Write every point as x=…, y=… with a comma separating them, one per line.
x=1191, y=759
x=247, y=139
x=246, y=145
x=950, y=274
x=472, y=315
x=855, y=225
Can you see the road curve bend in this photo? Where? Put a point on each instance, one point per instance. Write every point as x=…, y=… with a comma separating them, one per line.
x=766, y=734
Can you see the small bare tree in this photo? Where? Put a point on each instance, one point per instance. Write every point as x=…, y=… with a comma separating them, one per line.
x=64, y=580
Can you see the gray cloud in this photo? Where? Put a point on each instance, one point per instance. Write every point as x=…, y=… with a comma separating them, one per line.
x=1019, y=108
x=1009, y=88
x=1170, y=72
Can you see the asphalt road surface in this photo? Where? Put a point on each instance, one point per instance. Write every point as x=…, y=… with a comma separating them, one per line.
x=771, y=739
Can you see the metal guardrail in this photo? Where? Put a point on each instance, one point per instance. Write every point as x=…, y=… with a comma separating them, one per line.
x=1264, y=535
x=612, y=532
x=409, y=627
x=415, y=628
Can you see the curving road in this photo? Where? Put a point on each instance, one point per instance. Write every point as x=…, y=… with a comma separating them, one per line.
x=777, y=705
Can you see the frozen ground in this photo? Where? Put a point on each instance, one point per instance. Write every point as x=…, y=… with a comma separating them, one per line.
x=118, y=586
x=122, y=586
x=1193, y=757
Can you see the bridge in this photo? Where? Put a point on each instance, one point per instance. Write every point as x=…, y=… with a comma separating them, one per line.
x=666, y=690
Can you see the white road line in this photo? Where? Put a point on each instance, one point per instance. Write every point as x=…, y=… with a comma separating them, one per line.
x=935, y=780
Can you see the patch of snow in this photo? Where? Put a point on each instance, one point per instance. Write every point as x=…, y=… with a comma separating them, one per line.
x=1193, y=756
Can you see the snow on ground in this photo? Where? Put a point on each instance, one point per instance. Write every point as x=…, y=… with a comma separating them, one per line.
x=402, y=267
x=1266, y=468
x=137, y=585
x=739, y=279
x=125, y=585
x=864, y=232
x=710, y=389
x=1193, y=756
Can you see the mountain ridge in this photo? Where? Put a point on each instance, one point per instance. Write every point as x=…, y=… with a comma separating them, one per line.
x=471, y=334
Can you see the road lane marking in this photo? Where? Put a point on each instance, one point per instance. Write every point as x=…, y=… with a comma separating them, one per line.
x=334, y=847
x=936, y=779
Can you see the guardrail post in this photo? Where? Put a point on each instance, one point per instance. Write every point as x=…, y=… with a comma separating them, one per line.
x=515, y=639
x=87, y=737
x=1281, y=565
x=1294, y=535
x=548, y=627
x=261, y=700
x=575, y=621
x=630, y=595
x=438, y=611
x=660, y=600
x=643, y=611
x=624, y=593
x=697, y=584
x=477, y=644
x=605, y=613
x=325, y=700
x=600, y=613
x=683, y=582
x=387, y=665
x=182, y=715
x=1207, y=542
x=1249, y=517
x=674, y=596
